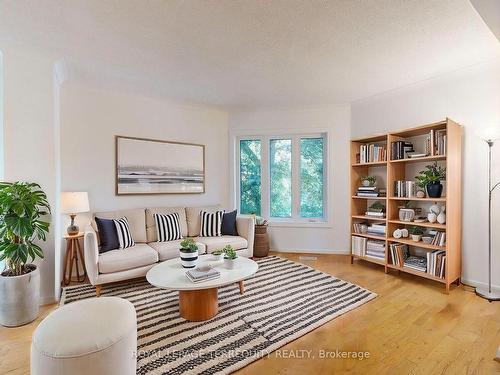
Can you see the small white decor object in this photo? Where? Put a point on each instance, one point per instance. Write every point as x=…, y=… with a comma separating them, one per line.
x=442, y=215
x=404, y=232
x=435, y=209
x=427, y=239
x=406, y=214
x=397, y=233
x=416, y=237
x=420, y=194
x=432, y=217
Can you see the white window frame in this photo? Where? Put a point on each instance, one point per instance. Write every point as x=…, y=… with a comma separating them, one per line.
x=265, y=137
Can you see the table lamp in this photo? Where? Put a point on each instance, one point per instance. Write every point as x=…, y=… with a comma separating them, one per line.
x=72, y=203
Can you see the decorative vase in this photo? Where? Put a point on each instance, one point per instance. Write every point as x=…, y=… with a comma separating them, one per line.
x=19, y=298
x=188, y=259
x=230, y=263
x=406, y=214
x=441, y=218
x=432, y=217
x=416, y=237
x=434, y=189
x=404, y=233
x=261, y=241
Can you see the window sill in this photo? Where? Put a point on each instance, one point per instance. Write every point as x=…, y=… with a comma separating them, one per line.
x=300, y=224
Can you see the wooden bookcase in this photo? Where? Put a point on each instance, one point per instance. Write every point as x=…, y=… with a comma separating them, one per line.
x=388, y=172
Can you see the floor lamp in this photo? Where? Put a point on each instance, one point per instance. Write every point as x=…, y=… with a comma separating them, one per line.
x=484, y=292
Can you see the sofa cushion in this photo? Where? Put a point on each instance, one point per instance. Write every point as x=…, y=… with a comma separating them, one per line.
x=194, y=220
x=170, y=249
x=151, y=225
x=214, y=243
x=136, y=220
x=124, y=259
x=108, y=237
x=229, y=223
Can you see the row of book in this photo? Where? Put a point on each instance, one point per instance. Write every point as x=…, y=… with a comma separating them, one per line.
x=365, y=247
x=398, y=252
x=439, y=238
x=371, y=152
x=373, y=229
x=198, y=275
x=436, y=263
x=435, y=142
x=400, y=149
x=405, y=189
x=371, y=192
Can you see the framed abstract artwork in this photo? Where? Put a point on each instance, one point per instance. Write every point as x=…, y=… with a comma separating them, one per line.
x=151, y=166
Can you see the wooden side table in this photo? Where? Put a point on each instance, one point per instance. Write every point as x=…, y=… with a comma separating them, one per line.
x=73, y=251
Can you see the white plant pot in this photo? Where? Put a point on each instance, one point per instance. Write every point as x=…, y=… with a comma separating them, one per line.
x=365, y=183
x=188, y=260
x=19, y=298
x=230, y=263
x=416, y=237
x=218, y=258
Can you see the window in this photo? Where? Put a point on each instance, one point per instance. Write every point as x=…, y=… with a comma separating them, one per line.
x=250, y=179
x=283, y=178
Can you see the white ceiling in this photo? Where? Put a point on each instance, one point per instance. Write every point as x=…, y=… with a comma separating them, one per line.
x=253, y=53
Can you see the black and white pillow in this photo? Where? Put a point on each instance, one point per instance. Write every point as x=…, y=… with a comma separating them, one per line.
x=124, y=235
x=211, y=224
x=168, y=227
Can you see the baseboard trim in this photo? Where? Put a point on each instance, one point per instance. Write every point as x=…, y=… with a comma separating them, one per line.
x=475, y=284
x=47, y=300
x=309, y=251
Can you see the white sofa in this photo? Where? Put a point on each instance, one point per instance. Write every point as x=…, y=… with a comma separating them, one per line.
x=134, y=262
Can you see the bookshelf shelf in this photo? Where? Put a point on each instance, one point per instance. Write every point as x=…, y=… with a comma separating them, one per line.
x=371, y=218
x=366, y=235
x=417, y=244
x=425, y=225
x=442, y=199
x=428, y=159
x=442, y=141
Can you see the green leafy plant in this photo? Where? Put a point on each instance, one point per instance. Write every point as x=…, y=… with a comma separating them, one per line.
x=432, y=174
x=371, y=180
x=22, y=206
x=414, y=230
x=229, y=252
x=377, y=207
x=218, y=252
x=188, y=245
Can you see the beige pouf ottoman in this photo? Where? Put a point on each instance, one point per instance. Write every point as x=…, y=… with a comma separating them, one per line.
x=93, y=336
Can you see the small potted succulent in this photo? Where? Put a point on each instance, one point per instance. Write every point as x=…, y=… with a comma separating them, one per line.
x=188, y=253
x=430, y=179
x=218, y=255
x=368, y=181
x=416, y=233
x=230, y=256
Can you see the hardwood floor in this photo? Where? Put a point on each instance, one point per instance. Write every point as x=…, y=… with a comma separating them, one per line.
x=412, y=327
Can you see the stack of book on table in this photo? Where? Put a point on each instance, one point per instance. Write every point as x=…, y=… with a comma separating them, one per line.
x=377, y=229
x=198, y=275
x=398, y=253
x=436, y=263
x=375, y=249
x=370, y=191
x=416, y=263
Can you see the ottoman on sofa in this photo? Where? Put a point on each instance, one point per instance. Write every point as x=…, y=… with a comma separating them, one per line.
x=92, y=336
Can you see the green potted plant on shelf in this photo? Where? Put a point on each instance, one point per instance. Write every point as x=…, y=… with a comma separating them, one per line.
x=430, y=179
x=22, y=208
x=218, y=255
x=368, y=181
x=230, y=256
x=415, y=233
x=188, y=253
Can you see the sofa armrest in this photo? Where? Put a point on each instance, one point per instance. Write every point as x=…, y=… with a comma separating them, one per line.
x=246, y=229
x=91, y=254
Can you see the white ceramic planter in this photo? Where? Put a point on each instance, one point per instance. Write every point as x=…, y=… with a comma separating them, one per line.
x=19, y=298
x=218, y=258
x=416, y=237
x=188, y=260
x=230, y=263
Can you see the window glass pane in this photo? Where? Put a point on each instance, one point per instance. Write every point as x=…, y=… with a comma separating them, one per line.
x=311, y=177
x=280, y=164
x=250, y=177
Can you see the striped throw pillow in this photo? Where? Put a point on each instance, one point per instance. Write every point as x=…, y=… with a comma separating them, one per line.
x=211, y=223
x=168, y=227
x=124, y=235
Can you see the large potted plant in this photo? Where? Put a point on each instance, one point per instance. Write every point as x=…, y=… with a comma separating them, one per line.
x=430, y=179
x=22, y=206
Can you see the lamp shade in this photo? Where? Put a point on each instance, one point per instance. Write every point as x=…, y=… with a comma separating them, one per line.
x=73, y=202
x=490, y=133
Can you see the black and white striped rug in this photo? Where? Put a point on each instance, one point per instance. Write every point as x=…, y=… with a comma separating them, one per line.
x=283, y=301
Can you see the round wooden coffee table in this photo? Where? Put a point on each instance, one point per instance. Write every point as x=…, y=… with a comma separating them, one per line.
x=199, y=301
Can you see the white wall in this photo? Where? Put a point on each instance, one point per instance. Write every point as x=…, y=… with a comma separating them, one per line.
x=29, y=145
x=333, y=238
x=472, y=98
x=90, y=119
